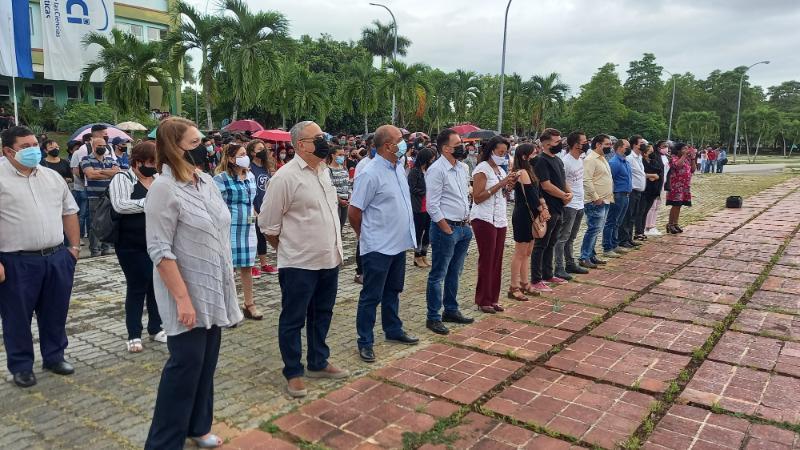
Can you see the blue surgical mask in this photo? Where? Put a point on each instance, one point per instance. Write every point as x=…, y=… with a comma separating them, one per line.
x=401, y=149
x=29, y=157
x=340, y=160
x=372, y=152
x=210, y=148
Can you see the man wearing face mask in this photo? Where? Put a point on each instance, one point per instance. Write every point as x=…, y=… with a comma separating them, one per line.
x=631, y=225
x=381, y=216
x=36, y=269
x=623, y=185
x=120, y=146
x=447, y=186
x=300, y=220
x=573, y=211
x=598, y=194
x=98, y=168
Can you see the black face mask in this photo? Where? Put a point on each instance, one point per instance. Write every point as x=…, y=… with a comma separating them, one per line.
x=321, y=148
x=606, y=150
x=262, y=155
x=105, y=138
x=460, y=152
x=627, y=151
x=585, y=147
x=100, y=151
x=556, y=148
x=147, y=172
x=54, y=152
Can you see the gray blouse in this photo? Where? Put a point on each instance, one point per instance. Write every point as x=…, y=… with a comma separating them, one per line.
x=191, y=225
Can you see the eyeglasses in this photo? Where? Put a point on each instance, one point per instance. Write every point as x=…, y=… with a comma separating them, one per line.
x=319, y=136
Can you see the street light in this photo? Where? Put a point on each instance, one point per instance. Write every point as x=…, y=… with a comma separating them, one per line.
x=394, y=55
x=503, y=74
x=738, y=106
x=672, y=107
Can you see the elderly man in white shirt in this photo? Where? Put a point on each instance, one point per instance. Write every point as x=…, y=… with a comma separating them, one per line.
x=636, y=200
x=565, y=263
x=36, y=269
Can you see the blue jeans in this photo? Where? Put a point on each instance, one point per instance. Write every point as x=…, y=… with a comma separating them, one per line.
x=447, y=261
x=83, y=215
x=595, y=221
x=307, y=296
x=384, y=278
x=616, y=212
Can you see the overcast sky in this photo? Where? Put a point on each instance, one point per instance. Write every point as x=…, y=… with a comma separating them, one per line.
x=571, y=37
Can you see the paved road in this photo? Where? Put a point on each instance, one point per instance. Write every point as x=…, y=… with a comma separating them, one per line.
x=755, y=169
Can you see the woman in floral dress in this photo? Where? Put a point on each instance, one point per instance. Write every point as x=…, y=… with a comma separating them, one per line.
x=681, y=166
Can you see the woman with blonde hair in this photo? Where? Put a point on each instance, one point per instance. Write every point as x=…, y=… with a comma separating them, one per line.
x=238, y=188
x=188, y=240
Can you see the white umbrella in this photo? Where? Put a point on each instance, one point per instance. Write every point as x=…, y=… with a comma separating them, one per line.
x=131, y=126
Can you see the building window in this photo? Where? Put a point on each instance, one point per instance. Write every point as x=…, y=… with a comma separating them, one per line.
x=73, y=93
x=5, y=94
x=156, y=34
x=39, y=93
x=136, y=30
x=98, y=94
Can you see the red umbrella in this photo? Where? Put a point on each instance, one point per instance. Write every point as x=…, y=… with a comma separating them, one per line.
x=244, y=125
x=465, y=128
x=273, y=135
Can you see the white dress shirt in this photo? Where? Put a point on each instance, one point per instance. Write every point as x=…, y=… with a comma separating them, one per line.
x=637, y=171
x=447, y=189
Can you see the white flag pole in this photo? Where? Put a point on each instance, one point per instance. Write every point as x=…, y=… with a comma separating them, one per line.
x=13, y=78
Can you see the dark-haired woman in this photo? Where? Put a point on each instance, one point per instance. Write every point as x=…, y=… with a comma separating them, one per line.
x=681, y=167
x=422, y=221
x=489, y=220
x=262, y=167
x=128, y=193
x=654, y=171
x=528, y=204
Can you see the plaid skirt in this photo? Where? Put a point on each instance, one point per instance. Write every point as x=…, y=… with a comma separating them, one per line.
x=243, y=244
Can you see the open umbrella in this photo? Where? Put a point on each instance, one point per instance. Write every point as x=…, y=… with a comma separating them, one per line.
x=465, y=128
x=87, y=129
x=152, y=133
x=482, y=134
x=418, y=134
x=273, y=135
x=131, y=126
x=244, y=125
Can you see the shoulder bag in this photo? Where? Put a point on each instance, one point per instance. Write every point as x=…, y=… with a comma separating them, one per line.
x=538, y=225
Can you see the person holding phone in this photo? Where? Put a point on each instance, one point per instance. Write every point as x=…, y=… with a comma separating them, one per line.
x=681, y=166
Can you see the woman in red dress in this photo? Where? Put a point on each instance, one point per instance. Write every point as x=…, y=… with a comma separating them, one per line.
x=681, y=167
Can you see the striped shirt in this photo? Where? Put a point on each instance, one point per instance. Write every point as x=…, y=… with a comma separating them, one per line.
x=96, y=188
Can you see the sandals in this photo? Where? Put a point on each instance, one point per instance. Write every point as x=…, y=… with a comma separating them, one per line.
x=529, y=290
x=210, y=441
x=487, y=309
x=515, y=293
x=135, y=346
x=250, y=312
x=498, y=308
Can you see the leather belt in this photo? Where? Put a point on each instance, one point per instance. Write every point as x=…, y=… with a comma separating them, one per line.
x=626, y=194
x=42, y=252
x=462, y=223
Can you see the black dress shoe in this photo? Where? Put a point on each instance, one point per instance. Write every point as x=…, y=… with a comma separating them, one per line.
x=367, y=354
x=588, y=263
x=598, y=261
x=577, y=269
x=25, y=379
x=404, y=339
x=60, y=368
x=456, y=317
x=437, y=327
x=627, y=245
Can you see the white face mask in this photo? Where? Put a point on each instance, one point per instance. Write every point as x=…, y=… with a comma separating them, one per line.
x=499, y=160
x=243, y=161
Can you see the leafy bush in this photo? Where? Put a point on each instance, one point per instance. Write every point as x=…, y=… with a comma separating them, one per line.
x=77, y=115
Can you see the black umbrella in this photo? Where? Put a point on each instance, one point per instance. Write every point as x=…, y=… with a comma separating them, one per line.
x=481, y=134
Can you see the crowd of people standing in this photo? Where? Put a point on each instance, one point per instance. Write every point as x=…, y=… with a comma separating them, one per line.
x=194, y=212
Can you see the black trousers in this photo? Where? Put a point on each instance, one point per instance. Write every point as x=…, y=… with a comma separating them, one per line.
x=542, y=255
x=359, y=267
x=185, y=402
x=422, y=225
x=626, y=228
x=138, y=269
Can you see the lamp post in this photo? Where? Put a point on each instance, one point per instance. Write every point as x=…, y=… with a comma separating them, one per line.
x=672, y=107
x=503, y=74
x=738, y=107
x=394, y=55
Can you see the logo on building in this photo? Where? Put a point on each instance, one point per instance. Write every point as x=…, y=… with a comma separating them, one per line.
x=78, y=13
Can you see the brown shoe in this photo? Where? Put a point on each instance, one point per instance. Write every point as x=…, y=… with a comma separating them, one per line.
x=296, y=388
x=529, y=290
x=330, y=371
x=515, y=293
x=251, y=312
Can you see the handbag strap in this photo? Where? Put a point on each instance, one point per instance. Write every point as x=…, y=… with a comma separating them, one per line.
x=527, y=204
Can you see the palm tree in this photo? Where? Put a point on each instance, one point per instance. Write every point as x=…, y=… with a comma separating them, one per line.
x=409, y=85
x=438, y=99
x=360, y=86
x=191, y=30
x=244, y=50
x=516, y=103
x=466, y=88
x=130, y=66
x=308, y=95
x=379, y=40
x=547, y=93
x=276, y=96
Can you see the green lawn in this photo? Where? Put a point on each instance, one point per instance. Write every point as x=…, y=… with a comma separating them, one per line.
x=766, y=159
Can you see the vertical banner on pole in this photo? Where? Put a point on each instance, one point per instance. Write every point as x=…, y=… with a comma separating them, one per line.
x=15, y=39
x=65, y=23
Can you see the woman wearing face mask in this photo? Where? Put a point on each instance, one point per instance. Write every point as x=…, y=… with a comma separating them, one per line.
x=681, y=167
x=188, y=238
x=489, y=220
x=262, y=168
x=341, y=181
x=654, y=165
x=238, y=188
x=128, y=192
x=422, y=220
x=282, y=156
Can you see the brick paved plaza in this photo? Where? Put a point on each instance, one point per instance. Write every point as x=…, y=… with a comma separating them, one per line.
x=691, y=342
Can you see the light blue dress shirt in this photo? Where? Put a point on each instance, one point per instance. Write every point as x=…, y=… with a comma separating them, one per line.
x=447, y=189
x=381, y=193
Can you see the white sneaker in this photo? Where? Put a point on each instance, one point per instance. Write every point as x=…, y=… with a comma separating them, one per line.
x=653, y=232
x=161, y=336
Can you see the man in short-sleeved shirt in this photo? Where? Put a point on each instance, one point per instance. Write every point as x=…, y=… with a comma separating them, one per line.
x=98, y=169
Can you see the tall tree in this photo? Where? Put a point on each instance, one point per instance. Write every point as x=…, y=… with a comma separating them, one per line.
x=785, y=97
x=247, y=49
x=643, y=88
x=379, y=41
x=599, y=107
x=359, y=89
x=193, y=30
x=723, y=89
x=130, y=64
x=547, y=94
x=308, y=95
x=465, y=88
x=409, y=85
x=698, y=127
